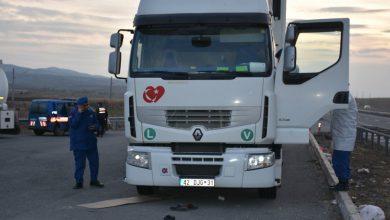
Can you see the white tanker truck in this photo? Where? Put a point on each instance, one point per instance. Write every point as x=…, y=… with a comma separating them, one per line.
x=7, y=117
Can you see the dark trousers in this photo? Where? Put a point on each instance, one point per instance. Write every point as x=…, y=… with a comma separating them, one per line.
x=101, y=128
x=80, y=157
x=341, y=160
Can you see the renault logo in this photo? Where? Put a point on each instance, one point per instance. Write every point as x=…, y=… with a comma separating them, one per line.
x=198, y=134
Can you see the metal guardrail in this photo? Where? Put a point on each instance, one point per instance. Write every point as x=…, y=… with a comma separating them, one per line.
x=116, y=123
x=376, y=137
x=383, y=114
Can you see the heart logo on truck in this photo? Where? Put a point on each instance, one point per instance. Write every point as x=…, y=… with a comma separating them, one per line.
x=152, y=95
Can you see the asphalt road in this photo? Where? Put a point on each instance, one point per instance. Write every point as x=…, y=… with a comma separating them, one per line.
x=36, y=178
x=374, y=120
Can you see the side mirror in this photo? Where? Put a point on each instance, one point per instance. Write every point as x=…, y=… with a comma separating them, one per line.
x=114, y=62
x=116, y=41
x=289, y=58
x=291, y=34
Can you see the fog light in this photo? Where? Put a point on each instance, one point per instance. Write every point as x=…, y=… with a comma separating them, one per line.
x=139, y=159
x=260, y=161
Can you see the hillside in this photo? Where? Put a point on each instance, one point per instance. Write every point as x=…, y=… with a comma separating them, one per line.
x=61, y=83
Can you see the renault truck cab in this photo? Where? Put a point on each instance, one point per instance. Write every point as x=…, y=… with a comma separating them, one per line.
x=215, y=88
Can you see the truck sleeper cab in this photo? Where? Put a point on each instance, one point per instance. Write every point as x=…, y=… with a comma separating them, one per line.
x=209, y=104
x=50, y=115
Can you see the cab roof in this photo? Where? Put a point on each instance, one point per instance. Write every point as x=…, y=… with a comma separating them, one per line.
x=159, y=7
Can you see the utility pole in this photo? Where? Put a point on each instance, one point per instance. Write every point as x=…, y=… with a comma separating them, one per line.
x=110, y=88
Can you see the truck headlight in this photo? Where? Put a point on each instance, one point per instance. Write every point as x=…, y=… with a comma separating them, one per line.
x=139, y=159
x=260, y=161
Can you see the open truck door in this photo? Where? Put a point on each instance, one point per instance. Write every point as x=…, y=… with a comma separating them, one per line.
x=315, y=76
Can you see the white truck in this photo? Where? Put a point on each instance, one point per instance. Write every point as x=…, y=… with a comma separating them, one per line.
x=215, y=88
x=7, y=117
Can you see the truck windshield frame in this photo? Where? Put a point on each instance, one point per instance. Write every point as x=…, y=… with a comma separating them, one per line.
x=213, y=51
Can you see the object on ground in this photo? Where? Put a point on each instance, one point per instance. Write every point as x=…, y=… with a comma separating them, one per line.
x=221, y=198
x=185, y=207
x=119, y=202
x=363, y=170
x=370, y=212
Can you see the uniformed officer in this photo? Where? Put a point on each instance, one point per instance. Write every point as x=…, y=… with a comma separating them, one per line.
x=344, y=123
x=83, y=142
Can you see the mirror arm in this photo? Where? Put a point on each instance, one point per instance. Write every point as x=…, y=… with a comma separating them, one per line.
x=126, y=30
x=116, y=76
x=123, y=30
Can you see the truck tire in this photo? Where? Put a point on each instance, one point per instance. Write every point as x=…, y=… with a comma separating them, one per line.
x=268, y=193
x=38, y=132
x=58, y=131
x=145, y=190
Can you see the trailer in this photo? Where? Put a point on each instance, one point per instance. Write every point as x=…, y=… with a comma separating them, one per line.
x=215, y=88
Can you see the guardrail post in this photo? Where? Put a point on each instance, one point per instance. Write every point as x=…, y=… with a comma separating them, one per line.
x=372, y=140
x=379, y=141
x=366, y=137
x=359, y=135
x=387, y=145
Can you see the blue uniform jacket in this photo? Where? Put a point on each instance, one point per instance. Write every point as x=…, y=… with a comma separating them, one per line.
x=82, y=137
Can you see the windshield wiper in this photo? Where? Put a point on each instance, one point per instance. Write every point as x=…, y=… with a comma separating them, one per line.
x=164, y=74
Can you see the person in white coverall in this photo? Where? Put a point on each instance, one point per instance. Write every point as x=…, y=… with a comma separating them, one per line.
x=343, y=126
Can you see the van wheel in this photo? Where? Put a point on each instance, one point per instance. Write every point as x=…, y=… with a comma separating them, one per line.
x=267, y=193
x=58, y=131
x=38, y=132
x=145, y=190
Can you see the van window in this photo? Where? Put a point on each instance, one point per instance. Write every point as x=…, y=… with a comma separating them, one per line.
x=38, y=108
x=61, y=109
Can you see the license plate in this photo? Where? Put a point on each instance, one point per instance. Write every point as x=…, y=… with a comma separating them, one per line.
x=197, y=182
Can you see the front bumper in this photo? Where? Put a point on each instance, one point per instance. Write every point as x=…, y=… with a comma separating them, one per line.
x=232, y=173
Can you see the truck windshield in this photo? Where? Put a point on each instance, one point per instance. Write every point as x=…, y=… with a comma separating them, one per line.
x=201, y=50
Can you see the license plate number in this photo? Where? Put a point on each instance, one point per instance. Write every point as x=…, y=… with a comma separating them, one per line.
x=197, y=182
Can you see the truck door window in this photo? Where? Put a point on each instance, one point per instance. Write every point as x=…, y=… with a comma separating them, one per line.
x=318, y=48
x=317, y=51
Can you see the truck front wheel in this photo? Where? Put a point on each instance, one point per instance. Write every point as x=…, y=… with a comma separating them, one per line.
x=268, y=193
x=145, y=190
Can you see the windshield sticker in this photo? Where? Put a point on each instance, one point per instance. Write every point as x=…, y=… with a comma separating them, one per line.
x=150, y=134
x=247, y=135
x=223, y=69
x=242, y=69
x=152, y=95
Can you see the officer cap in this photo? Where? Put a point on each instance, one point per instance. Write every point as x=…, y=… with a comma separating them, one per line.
x=82, y=101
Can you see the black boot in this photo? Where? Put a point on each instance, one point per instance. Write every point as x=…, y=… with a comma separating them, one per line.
x=341, y=186
x=78, y=186
x=97, y=183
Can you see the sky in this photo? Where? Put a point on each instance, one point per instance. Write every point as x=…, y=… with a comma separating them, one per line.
x=75, y=34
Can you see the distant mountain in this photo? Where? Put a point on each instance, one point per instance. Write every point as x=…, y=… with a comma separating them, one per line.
x=62, y=82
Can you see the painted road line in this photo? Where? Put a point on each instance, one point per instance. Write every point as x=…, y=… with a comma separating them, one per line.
x=119, y=202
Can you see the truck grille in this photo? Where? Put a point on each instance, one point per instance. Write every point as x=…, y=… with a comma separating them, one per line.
x=205, y=171
x=210, y=119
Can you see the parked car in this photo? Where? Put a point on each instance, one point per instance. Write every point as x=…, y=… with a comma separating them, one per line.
x=50, y=115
